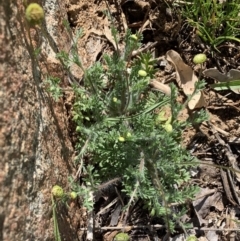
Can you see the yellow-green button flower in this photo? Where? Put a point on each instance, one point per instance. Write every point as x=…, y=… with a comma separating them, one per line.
x=134, y=37
x=199, y=58
x=34, y=13
x=121, y=139
x=57, y=191
x=168, y=127
x=142, y=73
x=191, y=238
x=122, y=237
x=73, y=195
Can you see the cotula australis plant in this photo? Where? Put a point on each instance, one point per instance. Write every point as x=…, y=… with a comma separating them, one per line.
x=117, y=118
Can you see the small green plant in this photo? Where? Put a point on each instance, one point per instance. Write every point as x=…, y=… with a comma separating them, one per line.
x=192, y=238
x=215, y=22
x=117, y=118
x=53, y=87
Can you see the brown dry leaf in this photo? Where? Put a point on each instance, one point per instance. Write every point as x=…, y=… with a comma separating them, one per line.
x=233, y=74
x=185, y=76
x=186, y=79
x=212, y=235
x=197, y=101
x=161, y=87
x=203, y=204
x=218, y=201
x=237, y=173
x=108, y=33
x=94, y=46
x=109, y=236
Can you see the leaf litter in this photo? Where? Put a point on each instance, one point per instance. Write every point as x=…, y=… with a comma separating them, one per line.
x=186, y=80
x=229, y=77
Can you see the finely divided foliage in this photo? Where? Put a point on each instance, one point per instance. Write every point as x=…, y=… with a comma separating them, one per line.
x=116, y=114
x=122, y=134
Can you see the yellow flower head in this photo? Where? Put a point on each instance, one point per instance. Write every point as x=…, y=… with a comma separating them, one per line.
x=134, y=37
x=121, y=139
x=199, y=58
x=142, y=73
x=73, y=195
x=34, y=13
x=168, y=127
x=122, y=237
x=57, y=191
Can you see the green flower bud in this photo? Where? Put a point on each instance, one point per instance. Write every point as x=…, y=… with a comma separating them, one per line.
x=34, y=13
x=168, y=127
x=121, y=139
x=199, y=58
x=142, y=73
x=122, y=237
x=129, y=134
x=152, y=213
x=161, y=117
x=191, y=238
x=73, y=195
x=57, y=191
x=78, y=128
x=134, y=37
x=115, y=99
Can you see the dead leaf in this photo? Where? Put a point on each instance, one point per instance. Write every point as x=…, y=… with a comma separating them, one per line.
x=186, y=79
x=218, y=202
x=108, y=33
x=197, y=101
x=237, y=173
x=94, y=46
x=212, y=236
x=233, y=74
x=109, y=236
x=161, y=87
x=203, y=204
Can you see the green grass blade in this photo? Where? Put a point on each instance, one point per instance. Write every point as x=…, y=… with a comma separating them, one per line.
x=232, y=85
x=55, y=223
x=227, y=38
x=147, y=110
